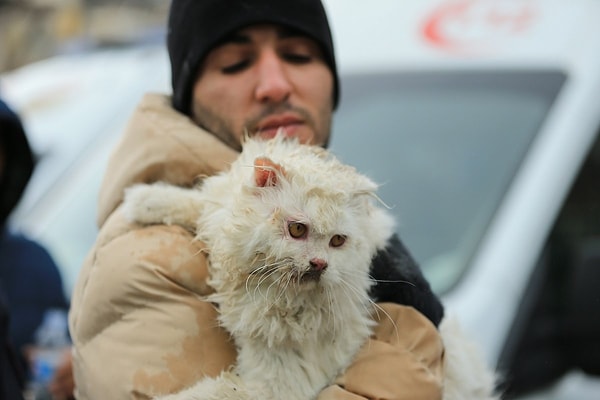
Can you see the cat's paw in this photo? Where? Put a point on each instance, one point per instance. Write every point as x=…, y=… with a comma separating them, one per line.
x=160, y=203
x=143, y=204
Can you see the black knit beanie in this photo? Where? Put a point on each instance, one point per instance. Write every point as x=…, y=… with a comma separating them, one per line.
x=196, y=26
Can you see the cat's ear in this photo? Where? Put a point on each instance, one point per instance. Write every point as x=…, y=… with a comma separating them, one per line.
x=266, y=172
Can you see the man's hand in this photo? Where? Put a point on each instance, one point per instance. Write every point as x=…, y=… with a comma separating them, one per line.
x=62, y=385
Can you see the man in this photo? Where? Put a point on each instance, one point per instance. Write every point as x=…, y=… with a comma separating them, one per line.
x=138, y=321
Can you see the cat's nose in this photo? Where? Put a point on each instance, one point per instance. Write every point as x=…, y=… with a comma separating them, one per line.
x=318, y=264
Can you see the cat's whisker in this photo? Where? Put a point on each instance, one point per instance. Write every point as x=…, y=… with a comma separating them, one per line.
x=379, y=200
x=266, y=274
x=262, y=280
x=391, y=281
x=283, y=289
x=283, y=267
x=265, y=271
x=348, y=283
x=281, y=286
x=365, y=301
x=258, y=270
x=344, y=286
x=264, y=266
x=376, y=307
x=273, y=268
x=358, y=273
x=277, y=283
x=247, y=284
x=331, y=304
x=379, y=308
x=250, y=276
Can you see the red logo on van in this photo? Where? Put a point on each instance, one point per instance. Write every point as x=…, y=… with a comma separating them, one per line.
x=468, y=26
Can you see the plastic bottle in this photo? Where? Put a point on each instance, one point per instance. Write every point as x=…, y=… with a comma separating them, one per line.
x=52, y=339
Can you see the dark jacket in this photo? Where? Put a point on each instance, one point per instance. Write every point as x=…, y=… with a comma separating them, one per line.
x=12, y=376
x=398, y=279
x=30, y=282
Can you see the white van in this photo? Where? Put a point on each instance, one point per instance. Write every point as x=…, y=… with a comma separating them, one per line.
x=481, y=119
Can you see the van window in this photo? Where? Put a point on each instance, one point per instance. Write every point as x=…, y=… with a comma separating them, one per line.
x=444, y=147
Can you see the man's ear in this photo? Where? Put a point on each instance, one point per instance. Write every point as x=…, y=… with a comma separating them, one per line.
x=266, y=172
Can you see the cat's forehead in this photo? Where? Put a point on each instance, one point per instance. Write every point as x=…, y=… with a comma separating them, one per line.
x=314, y=161
x=307, y=165
x=322, y=217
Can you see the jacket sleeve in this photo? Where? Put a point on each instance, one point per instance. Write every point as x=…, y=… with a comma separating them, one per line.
x=403, y=360
x=398, y=279
x=139, y=324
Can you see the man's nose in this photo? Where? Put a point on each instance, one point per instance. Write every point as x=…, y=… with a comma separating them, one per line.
x=273, y=85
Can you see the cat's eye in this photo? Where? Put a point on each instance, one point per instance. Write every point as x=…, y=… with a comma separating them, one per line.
x=297, y=230
x=337, y=240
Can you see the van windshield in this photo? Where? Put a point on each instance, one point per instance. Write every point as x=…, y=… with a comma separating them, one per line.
x=445, y=148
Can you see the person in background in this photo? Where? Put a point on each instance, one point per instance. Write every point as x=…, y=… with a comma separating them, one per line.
x=29, y=279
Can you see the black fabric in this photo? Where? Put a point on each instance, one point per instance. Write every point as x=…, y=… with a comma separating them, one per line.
x=18, y=160
x=582, y=308
x=12, y=379
x=196, y=26
x=557, y=326
x=561, y=332
x=537, y=356
x=398, y=279
x=32, y=283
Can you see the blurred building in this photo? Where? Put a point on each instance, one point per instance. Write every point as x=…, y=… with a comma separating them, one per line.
x=32, y=30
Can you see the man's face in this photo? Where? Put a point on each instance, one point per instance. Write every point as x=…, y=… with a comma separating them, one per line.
x=263, y=78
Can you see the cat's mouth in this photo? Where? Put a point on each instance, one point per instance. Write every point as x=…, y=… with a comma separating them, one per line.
x=314, y=271
x=302, y=277
x=311, y=276
x=290, y=273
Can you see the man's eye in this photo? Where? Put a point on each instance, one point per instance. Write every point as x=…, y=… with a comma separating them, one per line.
x=236, y=67
x=297, y=58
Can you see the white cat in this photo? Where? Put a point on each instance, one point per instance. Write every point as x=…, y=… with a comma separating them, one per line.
x=290, y=232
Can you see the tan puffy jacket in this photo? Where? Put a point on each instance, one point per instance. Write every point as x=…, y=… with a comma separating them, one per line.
x=138, y=324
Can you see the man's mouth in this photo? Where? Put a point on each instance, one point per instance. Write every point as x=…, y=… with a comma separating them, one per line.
x=270, y=126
